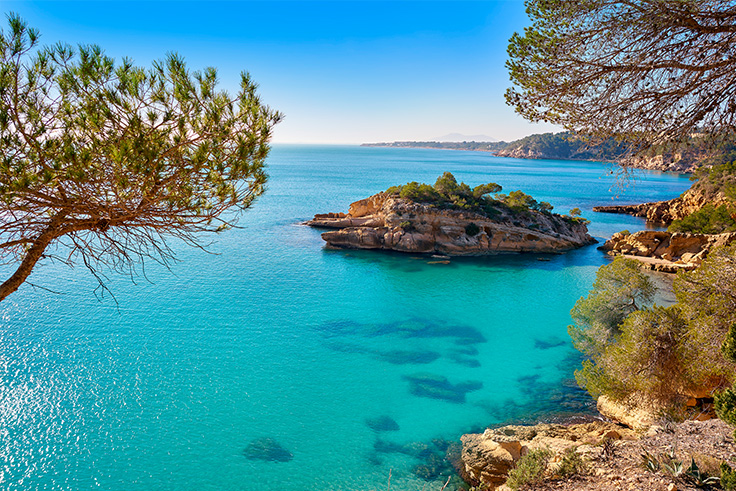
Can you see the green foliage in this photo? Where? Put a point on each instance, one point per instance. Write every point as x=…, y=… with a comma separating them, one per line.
x=472, y=229
x=529, y=469
x=620, y=288
x=571, y=464
x=706, y=298
x=447, y=193
x=650, y=463
x=596, y=67
x=728, y=477
x=661, y=352
x=693, y=475
x=575, y=212
x=651, y=355
x=116, y=158
x=725, y=406
x=707, y=220
x=728, y=348
x=407, y=226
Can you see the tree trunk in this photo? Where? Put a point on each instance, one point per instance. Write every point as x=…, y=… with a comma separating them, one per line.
x=30, y=260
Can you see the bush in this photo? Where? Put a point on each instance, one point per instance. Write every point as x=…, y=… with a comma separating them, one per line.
x=572, y=464
x=529, y=469
x=406, y=226
x=728, y=477
x=725, y=406
x=472, y=229
x=707, y=220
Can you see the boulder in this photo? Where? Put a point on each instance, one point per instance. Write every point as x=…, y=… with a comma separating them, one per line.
x=487, y=457
x=666, y=251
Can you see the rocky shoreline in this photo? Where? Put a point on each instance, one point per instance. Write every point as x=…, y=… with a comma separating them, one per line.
x=609, y=456
x=388, y=222
x=667, y=252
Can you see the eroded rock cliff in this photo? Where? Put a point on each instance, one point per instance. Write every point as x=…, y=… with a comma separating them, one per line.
x=666, y=251
x=666, y=212
x=385, y=221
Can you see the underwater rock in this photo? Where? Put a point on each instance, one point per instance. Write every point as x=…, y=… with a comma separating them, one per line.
x=267, y=449
x=406, y=357
x=438, y=387
x=382, y=423
x=549, y=343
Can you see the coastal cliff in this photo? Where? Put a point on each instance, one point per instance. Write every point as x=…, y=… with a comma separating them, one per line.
x=667, y=252
x=388, y=222
x=692, y=200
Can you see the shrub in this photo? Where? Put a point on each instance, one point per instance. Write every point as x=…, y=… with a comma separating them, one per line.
x=728, y=477
x=529, y=469
x=572, y=464
x=407, y=226
x=707, y=220
x=472, y=229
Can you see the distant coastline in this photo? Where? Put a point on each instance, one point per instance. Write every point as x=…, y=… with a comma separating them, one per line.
x=567, y=146
x=465, y=145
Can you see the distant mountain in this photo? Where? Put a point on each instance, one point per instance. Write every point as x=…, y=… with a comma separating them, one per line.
x=457, y=137
x=463, y=145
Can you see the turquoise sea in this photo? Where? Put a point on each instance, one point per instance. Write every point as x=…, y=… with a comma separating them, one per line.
x=275, y=337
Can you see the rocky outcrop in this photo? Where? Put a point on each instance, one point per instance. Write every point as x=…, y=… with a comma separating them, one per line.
x=487, y=457
x=666, y=212
x=385, y=221
x=637, y=415
x=666, y=251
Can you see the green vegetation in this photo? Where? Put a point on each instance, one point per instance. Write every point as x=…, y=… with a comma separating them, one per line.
x=707, y=220
x=663, y=353
x=447, y=193
x=529, y=469
x=713, y=183
x=571, y=464
x=725, y=402
x=602, y=68
x=728, y=477
x=106, y=161
x=620, y=288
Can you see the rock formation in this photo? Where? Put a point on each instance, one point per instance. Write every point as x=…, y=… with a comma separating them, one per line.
x=666, y=212
x=487, y=457
x=666, y=251
x=385, y=221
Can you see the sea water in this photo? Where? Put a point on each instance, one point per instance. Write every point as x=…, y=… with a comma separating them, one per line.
x=272, y=336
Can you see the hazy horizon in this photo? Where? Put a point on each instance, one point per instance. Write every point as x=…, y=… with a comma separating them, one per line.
x=342, y=72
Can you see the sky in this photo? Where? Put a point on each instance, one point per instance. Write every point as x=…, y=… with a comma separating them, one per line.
x=341, y=72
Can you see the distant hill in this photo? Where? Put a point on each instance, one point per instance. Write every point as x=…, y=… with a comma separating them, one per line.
x=479, y=146
x=569, y=146
x=457, y=137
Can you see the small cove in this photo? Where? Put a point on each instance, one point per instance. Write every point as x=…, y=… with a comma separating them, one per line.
x=275, y=339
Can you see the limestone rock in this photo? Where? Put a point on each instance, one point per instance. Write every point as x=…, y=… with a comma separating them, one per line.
x=637, y=415
x=385, y=221
x=668, y=252
x=666, y=212
x=487, y=458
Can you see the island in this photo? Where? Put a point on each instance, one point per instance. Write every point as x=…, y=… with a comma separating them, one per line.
x=452, y=219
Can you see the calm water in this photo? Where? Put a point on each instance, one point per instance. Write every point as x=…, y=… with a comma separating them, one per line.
x=276, y=337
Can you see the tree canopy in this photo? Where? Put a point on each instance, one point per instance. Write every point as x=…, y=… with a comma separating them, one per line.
x=104, y=162
x=646, y=72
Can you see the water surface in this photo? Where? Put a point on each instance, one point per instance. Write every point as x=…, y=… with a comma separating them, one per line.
x=275, y=337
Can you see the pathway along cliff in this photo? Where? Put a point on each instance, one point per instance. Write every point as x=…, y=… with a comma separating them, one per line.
x=389, y=222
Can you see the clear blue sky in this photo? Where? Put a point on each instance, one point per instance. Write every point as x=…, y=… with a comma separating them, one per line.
x=340, y=71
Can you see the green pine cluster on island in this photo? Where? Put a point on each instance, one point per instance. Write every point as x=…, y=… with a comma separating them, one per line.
x=448, y=193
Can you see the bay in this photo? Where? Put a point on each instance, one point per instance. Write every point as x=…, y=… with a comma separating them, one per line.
x=274, y=337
